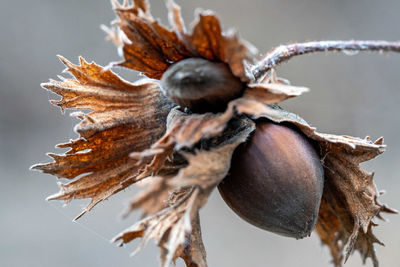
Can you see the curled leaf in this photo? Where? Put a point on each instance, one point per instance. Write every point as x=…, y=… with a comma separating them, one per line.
x=272, y=93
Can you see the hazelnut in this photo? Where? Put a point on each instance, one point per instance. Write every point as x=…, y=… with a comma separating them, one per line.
x=276, y=181
x=201, y=85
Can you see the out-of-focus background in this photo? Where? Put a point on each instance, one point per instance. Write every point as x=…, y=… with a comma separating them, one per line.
x=353, y=95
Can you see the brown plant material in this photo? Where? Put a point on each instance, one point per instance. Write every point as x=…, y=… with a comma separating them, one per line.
x=108, y=134
x=172, y=226
x=151, y=200
x=134, y=133
x=151, y=48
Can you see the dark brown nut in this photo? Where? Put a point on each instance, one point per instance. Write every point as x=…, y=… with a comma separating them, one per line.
x=276, y=181
x=201, y=85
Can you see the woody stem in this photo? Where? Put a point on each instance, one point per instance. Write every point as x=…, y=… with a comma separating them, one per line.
x=283, y=53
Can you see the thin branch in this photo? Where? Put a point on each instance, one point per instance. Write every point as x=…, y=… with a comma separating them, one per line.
x=283, y=53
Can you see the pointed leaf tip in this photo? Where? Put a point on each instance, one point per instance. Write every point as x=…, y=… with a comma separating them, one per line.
x=79, y=216
x=115, y=4
x=379, y=141
x=65, y=61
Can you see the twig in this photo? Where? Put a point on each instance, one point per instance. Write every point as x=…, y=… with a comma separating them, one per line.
x=283, y=53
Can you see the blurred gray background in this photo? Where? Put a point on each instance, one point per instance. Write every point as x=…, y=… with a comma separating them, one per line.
x=354, y=95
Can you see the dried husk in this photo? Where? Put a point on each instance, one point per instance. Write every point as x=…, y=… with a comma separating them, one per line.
x=99, y=158
x=171, y=227
x=150, y=48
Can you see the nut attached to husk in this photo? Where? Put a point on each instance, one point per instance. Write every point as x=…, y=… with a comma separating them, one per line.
x=276, y=181
x=201, y=85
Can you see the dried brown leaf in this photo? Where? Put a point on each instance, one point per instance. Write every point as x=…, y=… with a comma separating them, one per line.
x=168, y=227
x=206, y=37
x=349, y=205
x=207, y=40
x=151, y=200
x=183, y=130
x=151, y=48
x=125, y=117
x=272, y=93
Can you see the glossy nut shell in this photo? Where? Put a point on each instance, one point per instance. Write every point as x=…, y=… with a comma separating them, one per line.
x=276, y=181
x=201, y=85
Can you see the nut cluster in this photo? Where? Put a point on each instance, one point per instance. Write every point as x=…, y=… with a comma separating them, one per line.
x=208, y=118
x=276, y=178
